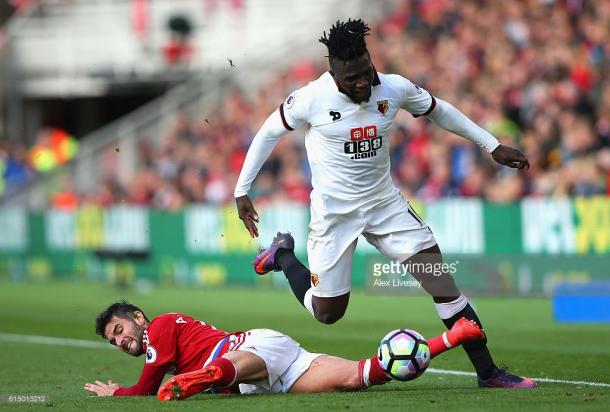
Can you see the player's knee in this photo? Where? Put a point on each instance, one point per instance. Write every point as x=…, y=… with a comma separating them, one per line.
x=330, y=310
x=328, y=318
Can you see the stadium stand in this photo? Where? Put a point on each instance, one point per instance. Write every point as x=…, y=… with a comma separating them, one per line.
x=553, y=102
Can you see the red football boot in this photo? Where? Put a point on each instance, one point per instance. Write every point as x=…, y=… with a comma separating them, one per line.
x=463, y=331
x=189, y=384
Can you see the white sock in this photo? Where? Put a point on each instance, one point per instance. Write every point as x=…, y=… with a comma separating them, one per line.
x=449, y=309
x=365, y=373
x=446, y=341
x=307, y=301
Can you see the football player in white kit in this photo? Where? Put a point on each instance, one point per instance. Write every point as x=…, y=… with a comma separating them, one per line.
x=350, y=110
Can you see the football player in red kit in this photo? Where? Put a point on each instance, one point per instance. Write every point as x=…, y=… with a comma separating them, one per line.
x=255, y=361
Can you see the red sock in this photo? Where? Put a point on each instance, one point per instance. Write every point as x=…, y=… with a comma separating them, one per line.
x=228, y=372
x=371, y=372
x=439, y=345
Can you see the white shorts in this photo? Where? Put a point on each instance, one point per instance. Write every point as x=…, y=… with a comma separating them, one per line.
x=391, y=225
x=286, y=361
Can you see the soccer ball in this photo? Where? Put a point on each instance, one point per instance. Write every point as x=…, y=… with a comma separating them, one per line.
x=404, y=354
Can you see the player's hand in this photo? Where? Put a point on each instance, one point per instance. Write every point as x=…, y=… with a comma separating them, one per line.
x=510, y=157
x=247, y=214
x=102, y=389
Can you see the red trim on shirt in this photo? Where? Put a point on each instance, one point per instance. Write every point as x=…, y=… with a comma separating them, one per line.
x=290, y=129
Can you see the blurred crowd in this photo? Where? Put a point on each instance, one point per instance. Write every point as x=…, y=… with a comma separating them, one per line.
x=532, y=72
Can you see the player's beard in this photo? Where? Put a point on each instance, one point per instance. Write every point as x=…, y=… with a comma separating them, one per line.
x=138, y=338
x=361, y=96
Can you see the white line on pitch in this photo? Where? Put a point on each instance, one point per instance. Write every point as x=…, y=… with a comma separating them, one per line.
x=48, y=340
x=463, y=373
x=81, y=343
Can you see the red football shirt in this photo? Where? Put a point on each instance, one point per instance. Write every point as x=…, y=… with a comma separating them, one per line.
x=175, y=343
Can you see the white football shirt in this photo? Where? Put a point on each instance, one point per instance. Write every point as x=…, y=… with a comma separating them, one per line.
x=347, y=143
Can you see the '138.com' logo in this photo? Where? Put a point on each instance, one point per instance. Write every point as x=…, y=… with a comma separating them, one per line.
x=364, y=142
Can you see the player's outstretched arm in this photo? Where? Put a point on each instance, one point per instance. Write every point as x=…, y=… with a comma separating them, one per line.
x=147, y=385
x=102, y=389
x=449, y=118
x=510, y=157
x=262, y=145
x=247, y=214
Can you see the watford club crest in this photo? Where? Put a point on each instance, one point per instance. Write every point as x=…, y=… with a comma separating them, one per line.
x=383, y=106
x=314, y=280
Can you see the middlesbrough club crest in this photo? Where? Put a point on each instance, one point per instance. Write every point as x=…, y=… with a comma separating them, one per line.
x=383, y=106
x=314, y=280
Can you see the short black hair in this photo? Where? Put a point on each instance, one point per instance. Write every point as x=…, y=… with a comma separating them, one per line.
x=345, y=39
x=120, y=309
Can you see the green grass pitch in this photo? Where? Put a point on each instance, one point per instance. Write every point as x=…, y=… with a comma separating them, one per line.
x=521, y=334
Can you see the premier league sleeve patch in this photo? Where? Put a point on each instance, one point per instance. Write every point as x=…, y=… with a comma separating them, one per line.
x=151, y=354
x=294, y=114
x=290, y=101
